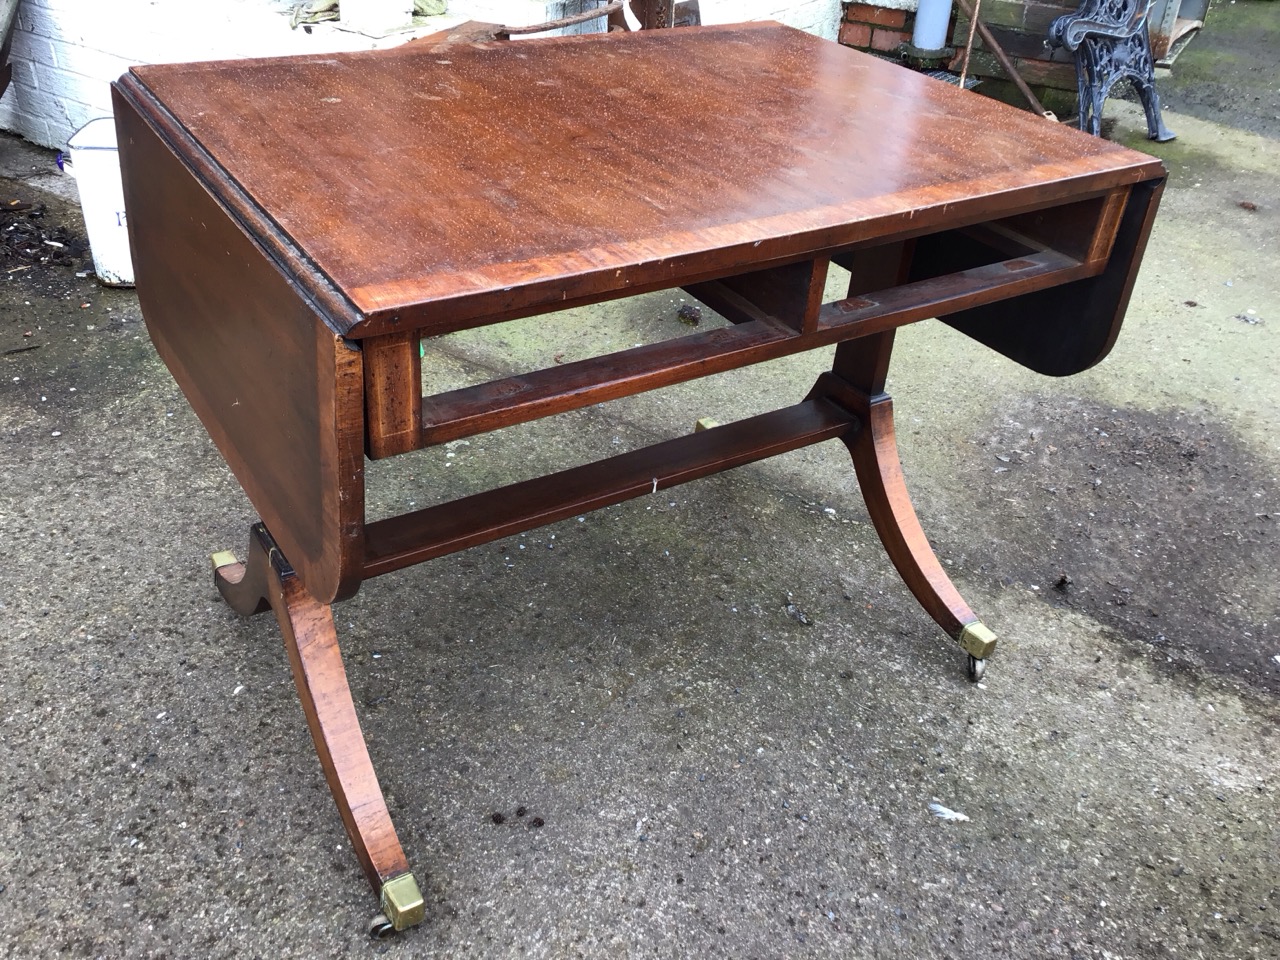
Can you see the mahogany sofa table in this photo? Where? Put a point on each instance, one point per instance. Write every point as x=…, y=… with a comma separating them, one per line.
x=299, y=225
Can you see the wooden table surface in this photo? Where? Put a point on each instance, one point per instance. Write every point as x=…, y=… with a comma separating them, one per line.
x=441, y=187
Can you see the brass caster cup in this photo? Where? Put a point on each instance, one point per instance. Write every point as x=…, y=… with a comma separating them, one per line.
x=402, y=902
x=977, y=641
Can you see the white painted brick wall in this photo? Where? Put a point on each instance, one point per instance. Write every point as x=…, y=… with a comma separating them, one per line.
x=820, y=17
x=66, y=52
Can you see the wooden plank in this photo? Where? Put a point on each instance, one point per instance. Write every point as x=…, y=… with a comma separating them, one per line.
x=877, y=311
x=1108, y=226
x=1060, y=76
x=1040, y=15
x=1003, y=13
x=540, y=393
x=403, y=541
x=277, y=390
x=537, y=199
x=1017, y=42
x=570, y=386
x=726, y=301
x=1082, y=230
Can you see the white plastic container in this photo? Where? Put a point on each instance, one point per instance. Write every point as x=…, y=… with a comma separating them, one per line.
x=95, y=163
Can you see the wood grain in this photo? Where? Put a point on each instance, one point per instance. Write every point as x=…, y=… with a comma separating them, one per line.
x=874, y=451
x=277, y=390
x=412, y=538
x=792, y=292
x=266, y=580
x=571, y=386
x=393, y=394
x=442, y=190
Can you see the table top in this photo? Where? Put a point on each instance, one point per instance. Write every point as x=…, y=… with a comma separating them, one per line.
x=435, y=185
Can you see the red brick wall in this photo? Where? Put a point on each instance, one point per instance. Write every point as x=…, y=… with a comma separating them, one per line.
x=869, y=27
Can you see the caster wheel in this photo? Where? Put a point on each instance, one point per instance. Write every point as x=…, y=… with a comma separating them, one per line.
x=380, y=927
x=977, y=668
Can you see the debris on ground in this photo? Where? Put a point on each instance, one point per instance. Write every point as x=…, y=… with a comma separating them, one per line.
x=946, y=813
x=795, y=613
x=26, y=238
x=689, y=314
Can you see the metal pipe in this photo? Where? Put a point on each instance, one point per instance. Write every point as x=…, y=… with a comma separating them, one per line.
x=968, y=43
x=932, y=17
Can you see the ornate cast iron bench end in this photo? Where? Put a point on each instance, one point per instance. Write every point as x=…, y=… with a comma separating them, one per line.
x=1110, y=41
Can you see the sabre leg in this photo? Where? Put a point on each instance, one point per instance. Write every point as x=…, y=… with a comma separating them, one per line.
x=266, y=581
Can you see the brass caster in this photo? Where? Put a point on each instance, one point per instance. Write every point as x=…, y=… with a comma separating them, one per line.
x=977, y=668
x=402, y=902
x=977, y=640
x=380, y=928
x=224, y=558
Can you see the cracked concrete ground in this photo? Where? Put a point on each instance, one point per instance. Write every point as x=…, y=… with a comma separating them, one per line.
x=712, y=720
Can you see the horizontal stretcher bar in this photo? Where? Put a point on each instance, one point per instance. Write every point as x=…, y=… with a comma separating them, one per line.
x=529, y=396
x=435, y=531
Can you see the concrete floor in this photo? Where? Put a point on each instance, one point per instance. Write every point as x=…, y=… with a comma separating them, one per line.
x=721, y=706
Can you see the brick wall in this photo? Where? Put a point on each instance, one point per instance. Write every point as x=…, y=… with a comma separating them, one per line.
x=1020, y=27
x=820, y=17
x=881, y=29
x=66, y=52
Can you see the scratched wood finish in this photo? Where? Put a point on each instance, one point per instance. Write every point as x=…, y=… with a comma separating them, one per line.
x=446, y=189
x=277, y=390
